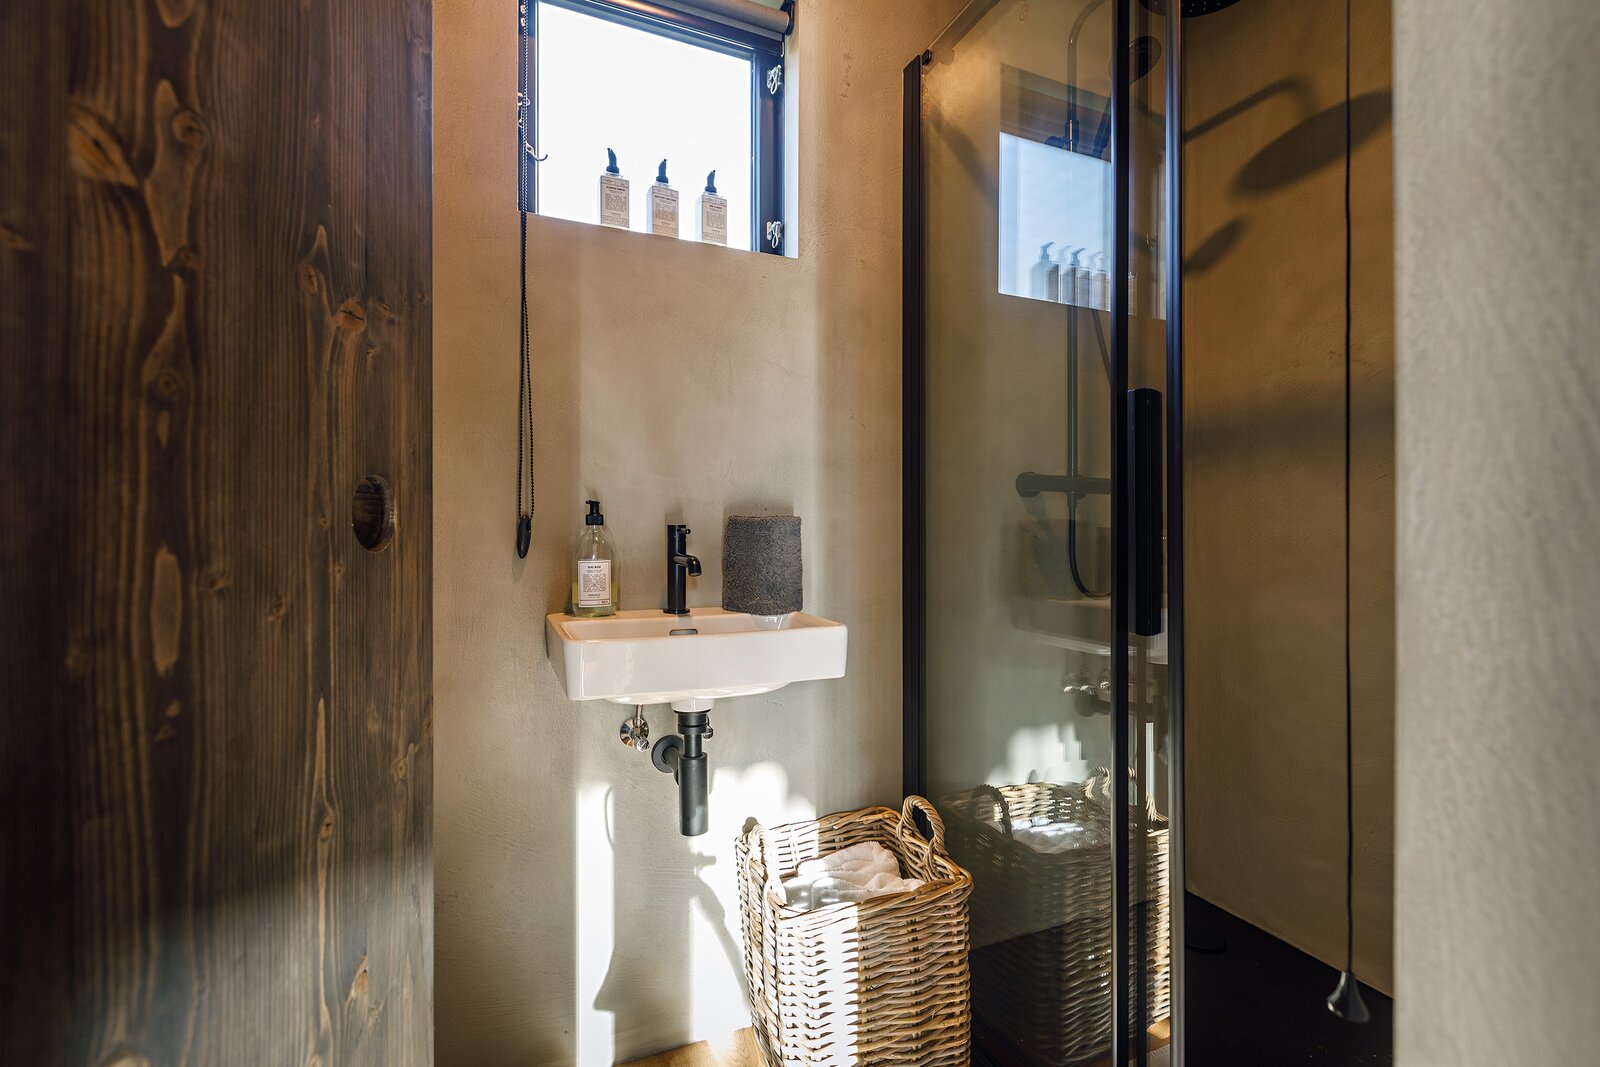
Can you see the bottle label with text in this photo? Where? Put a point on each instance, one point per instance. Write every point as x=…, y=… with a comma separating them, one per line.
x=594, y=583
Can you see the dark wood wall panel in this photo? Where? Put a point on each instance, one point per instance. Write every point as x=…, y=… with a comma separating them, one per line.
x=215, y=270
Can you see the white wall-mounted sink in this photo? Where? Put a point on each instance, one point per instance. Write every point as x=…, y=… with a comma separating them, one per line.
x=689, y=661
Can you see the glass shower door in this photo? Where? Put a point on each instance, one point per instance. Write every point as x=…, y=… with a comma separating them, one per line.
x=1039, y=693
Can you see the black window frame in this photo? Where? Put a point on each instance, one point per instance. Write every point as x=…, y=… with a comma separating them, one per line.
x=764, y=54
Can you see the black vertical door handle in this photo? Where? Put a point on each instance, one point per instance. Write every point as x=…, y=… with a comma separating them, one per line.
x=1144, y=473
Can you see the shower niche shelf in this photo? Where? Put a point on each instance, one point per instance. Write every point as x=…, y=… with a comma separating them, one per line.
x=1081, y=625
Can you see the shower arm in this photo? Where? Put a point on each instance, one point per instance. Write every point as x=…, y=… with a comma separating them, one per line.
x=1072, y=71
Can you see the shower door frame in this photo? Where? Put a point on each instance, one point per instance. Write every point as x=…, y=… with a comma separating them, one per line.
x=914, y=488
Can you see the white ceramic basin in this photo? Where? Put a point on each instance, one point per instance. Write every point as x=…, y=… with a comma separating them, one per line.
x=634, y=657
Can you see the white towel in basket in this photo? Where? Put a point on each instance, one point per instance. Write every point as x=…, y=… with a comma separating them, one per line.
x=851, y=874
x=1049, y=837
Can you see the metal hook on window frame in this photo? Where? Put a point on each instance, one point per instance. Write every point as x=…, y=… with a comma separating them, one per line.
x=522, y=127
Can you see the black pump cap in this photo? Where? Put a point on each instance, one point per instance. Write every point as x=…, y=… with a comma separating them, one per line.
x=711, y=183
x=661, y=173
x=611, y=165
x=594, y=518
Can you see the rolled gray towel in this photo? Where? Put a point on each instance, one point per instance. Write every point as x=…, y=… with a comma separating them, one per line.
x=761, y=564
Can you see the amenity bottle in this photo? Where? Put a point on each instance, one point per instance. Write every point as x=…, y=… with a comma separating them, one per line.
x=594, y=577
x=1044, y=280
x=711, y=214
x=614, y=205
x=661, y=214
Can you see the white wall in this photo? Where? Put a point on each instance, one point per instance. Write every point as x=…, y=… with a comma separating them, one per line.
x=674, y=382
x=1498, y=722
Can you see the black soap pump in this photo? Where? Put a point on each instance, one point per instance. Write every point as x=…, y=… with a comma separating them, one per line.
x=662, y=216
x=594, y=575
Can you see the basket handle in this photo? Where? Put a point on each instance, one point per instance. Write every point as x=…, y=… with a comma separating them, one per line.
x=764, y=851
x=1103, y=775
x=908, y=832
x=1000, y=805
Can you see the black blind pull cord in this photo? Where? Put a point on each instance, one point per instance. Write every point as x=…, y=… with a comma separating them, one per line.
x=1345, y=1001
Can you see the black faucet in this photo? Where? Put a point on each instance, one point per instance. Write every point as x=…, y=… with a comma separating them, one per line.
x=679, y=566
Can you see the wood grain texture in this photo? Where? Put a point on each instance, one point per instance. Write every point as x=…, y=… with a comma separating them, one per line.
x=739, y=1050
x=215, y=303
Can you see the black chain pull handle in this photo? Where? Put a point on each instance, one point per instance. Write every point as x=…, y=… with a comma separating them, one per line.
x=525, y=160
x=524, y=412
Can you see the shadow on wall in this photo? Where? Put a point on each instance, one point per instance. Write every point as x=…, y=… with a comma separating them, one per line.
x=659, y=957
x=671, y=952
x=1313, y=144
x=1304, y=149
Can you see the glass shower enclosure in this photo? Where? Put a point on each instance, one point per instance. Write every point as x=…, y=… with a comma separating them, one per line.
x=1042, y=563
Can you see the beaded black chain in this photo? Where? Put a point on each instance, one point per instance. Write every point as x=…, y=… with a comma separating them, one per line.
x=525, y=159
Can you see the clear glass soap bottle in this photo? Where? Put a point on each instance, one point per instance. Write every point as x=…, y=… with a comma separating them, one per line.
x=594, y=568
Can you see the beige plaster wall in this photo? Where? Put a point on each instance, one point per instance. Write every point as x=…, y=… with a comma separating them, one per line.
x=673, y=382
x=1498, y=724
x=1263, y=470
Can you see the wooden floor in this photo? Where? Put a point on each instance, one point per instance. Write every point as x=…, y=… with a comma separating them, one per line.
x=740, y=1051
x=1160, y=1038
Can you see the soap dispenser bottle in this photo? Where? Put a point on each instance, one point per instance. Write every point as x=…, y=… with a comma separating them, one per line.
x=1072, y=275
x=662, y=216
x=1100, y=285
x=1044, y=280
x=711, y=214
x=594, y=578
x=614, y=205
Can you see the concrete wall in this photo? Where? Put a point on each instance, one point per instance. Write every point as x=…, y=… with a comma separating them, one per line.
x=1498, y=729
x=1263, y=470
x=673, y=382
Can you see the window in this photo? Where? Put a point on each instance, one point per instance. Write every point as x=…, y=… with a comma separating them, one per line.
x=1055, y=198
x=1053, y=211
x=651, y=83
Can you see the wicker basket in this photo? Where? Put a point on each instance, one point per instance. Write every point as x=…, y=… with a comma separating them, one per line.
x=883, y=981
x=1042, y=920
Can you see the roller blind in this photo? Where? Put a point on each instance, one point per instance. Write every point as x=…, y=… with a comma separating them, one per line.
x=746, y=16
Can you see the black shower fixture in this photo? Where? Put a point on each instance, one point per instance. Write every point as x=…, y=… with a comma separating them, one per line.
x=1143, y=54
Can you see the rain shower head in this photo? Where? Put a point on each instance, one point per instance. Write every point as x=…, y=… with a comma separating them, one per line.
x=1143, y=54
